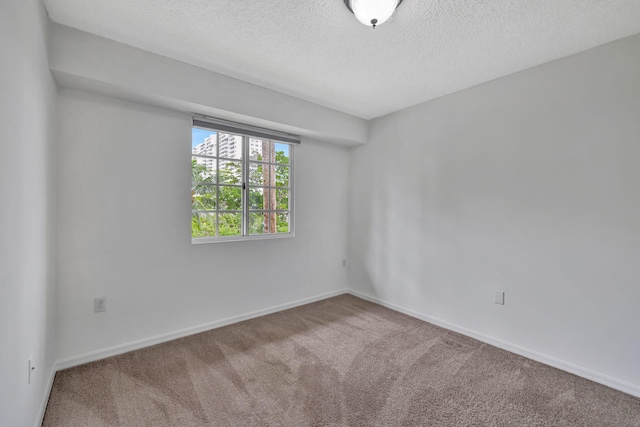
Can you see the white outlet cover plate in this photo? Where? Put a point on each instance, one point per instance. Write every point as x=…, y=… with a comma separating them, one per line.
x=498, y=297
x=31, y=369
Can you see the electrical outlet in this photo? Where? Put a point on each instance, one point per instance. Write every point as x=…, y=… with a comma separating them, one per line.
x=99, y=304
x=498, y=297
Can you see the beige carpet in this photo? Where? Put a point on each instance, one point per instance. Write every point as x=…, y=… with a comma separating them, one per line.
x=338, y=362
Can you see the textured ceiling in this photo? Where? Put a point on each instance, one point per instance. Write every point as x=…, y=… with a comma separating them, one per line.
x=317, y=50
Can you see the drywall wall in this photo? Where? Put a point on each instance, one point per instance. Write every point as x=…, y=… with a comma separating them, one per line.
x=26, y=212
x=85, y=61
x=527, y=184
x=124, y=230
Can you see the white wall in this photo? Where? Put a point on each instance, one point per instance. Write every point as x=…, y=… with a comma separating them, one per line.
x=124, y=230
x=27, y=97
x=529, y=184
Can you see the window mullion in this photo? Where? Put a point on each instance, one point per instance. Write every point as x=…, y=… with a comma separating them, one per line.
x=245, y=182
x=291, y=190
x=217, y=184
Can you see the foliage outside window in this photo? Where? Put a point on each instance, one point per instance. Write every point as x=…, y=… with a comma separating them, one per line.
x=241, y=186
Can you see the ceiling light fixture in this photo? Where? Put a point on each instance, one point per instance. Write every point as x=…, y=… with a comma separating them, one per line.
x=372, y=12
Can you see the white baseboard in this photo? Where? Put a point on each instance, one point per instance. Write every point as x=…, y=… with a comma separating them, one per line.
x=615, y=383
x=146, y=342
x=45, y=397
x=624, y=386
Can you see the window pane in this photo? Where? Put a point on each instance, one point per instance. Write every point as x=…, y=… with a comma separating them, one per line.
x=282, y=153
x=282, y=199
x=230, y=172
x=230, y=198
x=256, y=198
x=270, y=220
x=203, y=170
x=283, y=222
x=282, y=176
x=262, y=198
x=256, y=172
x=260, y=150
x=230, y=224
x=230, y=146
x=203, y=197
x=203, y=225
x=256, y=223
x=204, y=142
x=269, y=173
x=261, y=175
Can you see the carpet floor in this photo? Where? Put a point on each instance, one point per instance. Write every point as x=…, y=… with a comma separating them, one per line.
x=338, y=362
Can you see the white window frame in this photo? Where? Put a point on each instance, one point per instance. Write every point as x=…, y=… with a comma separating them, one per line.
x=247, y=132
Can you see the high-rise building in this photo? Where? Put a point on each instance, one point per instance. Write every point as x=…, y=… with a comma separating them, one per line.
x=206, y=148
x=228, y=147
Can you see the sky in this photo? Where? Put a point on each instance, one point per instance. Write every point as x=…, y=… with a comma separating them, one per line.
x=198, y=136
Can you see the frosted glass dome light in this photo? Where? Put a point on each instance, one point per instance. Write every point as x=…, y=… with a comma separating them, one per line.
x=372, y=12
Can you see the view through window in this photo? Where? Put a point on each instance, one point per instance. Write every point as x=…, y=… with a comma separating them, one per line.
x=241, y=186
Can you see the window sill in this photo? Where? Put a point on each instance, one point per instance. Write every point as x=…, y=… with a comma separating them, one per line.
x=204, y=240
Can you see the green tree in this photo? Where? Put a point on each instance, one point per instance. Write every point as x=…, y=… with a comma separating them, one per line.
x=227, y=196
x=230, y=197
x=282, y=196
x=270, y=198
x=203, y=197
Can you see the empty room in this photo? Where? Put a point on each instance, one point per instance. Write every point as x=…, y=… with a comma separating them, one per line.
x=392, y=213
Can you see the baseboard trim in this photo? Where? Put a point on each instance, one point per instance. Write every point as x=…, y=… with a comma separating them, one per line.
x=146, y=342
x=45, y=397
x=589, y=374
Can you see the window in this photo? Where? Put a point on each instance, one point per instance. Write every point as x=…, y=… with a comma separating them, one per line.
x=241, y=182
